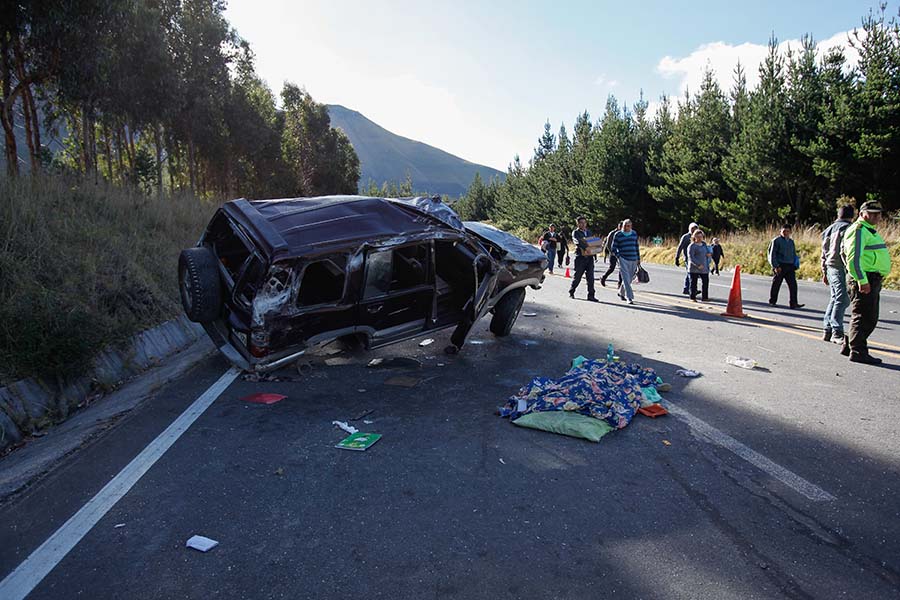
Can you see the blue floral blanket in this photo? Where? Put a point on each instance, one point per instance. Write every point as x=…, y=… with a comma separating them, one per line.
x=610, y=391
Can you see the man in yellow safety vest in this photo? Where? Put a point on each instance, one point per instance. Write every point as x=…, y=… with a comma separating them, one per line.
x=868, y=263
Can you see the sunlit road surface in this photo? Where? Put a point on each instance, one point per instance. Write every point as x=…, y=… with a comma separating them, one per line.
x=777, y=482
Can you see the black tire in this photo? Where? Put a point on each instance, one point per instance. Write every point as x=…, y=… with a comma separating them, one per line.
x=199, y=283
x=506, y=311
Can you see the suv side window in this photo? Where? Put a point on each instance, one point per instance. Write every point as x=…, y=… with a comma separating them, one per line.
x=379, y=268
x=323, y=281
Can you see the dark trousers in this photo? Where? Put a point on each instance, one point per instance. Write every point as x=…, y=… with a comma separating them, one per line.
x=612, y=267
x=788, y=274
x=584, y=266
x=716, y=267
x=863, y=313
x=703, y=277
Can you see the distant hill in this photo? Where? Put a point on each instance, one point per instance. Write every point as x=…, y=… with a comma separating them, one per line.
x=385, y=156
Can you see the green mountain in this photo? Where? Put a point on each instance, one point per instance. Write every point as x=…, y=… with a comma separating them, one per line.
x=385, y=156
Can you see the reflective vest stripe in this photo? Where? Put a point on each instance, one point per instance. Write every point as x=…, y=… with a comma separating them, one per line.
x=876, y=247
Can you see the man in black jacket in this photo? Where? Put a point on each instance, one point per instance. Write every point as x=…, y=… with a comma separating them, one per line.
x=584, y=263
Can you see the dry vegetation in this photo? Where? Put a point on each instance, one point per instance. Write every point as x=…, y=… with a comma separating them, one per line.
x=748, y=249
x=83, y=266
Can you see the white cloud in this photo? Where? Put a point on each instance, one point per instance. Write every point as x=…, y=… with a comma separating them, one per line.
x=722, y=58
x=603, y=81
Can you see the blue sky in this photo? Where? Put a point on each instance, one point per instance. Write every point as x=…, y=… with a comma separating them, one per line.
x=479, y=79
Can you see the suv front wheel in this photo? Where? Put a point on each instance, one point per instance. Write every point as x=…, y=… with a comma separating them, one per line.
x=199, y=284
x=506, y=311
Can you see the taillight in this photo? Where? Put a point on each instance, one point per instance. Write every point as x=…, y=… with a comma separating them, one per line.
x=259, y=344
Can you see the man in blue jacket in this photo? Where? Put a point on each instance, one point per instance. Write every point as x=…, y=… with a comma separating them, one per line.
x=783, y=258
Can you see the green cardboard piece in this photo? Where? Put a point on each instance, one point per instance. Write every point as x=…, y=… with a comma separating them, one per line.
x=358, y=441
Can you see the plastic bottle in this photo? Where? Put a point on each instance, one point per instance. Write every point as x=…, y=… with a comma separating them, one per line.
x=609, y=353
x=744, y=363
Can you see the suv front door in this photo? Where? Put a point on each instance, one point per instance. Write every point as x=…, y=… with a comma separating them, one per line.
x=398, y=290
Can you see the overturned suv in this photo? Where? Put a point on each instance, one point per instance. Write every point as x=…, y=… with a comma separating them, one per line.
x=271, y=278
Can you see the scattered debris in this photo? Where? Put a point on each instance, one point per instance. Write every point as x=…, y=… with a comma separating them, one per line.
x=744, y=363
x=201, y=543
x=368, y=422
x=403, y=381
x=502, y=462
x=359, y=441
x=529, y=342
x=396, y=362
x=363, y=414
x=264, y=398
x=440, y=364
x=338, y=361
x=667, y=443
x=427, y=342
x=361, y=390
x=663, y=387
x=653, y=411
x=279, y=471
x=688, y=373
x=118, y=525
x=345, y=426
x=529, y=314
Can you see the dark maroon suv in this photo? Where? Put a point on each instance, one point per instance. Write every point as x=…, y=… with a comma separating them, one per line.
x=271, y=278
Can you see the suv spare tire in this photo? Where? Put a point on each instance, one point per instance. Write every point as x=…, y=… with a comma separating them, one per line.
x=199, y=284
x=506, y=311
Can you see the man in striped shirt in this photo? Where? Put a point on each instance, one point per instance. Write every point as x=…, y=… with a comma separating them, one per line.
x=626, y=249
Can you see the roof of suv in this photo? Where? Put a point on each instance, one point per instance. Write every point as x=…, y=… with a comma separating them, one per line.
x=297, y=226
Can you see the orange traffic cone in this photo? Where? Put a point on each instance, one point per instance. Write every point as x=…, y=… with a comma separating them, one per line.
x=735, y=304
x=568, y=274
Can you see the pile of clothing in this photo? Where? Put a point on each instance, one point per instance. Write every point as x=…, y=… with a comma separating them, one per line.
x=608, y=391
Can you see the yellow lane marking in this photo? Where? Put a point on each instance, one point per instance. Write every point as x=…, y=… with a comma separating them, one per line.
x=879, y=348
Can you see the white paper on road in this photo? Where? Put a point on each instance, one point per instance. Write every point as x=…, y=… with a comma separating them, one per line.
x=201, y=543
x=39, y=563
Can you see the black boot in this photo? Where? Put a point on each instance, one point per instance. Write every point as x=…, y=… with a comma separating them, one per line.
x=827, y=335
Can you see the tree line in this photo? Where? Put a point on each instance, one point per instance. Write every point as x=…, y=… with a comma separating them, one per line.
x=161, y=94
x=815, y=131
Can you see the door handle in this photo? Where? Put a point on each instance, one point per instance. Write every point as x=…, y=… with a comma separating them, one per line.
x=374, y=308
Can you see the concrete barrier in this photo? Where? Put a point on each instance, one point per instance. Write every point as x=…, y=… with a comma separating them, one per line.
x=30, y=405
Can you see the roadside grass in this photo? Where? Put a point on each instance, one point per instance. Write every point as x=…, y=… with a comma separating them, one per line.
x=748, y=249
x=83, y=266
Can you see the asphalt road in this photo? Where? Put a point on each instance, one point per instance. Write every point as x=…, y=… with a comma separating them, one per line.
x=780, y=482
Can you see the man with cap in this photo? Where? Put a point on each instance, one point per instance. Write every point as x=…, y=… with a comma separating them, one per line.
x=868, y=263
x=683, y=244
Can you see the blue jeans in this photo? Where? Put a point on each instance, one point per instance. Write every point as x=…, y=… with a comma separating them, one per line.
x=551, y=258
x=840, y=300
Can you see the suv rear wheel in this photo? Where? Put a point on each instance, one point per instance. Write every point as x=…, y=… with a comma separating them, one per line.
x=506, y=311
x=199, y=283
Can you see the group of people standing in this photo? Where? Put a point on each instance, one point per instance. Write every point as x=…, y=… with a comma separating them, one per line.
x=855, y=261
x=621, y=246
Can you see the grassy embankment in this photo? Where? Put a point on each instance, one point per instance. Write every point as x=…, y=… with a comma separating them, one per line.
x=748, y=249
x=83, y=266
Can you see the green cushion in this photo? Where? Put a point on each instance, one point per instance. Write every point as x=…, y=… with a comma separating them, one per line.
x=566, y=423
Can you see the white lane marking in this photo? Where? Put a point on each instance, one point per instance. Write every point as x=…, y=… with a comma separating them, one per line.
x=33, y=569
x=789, y=478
